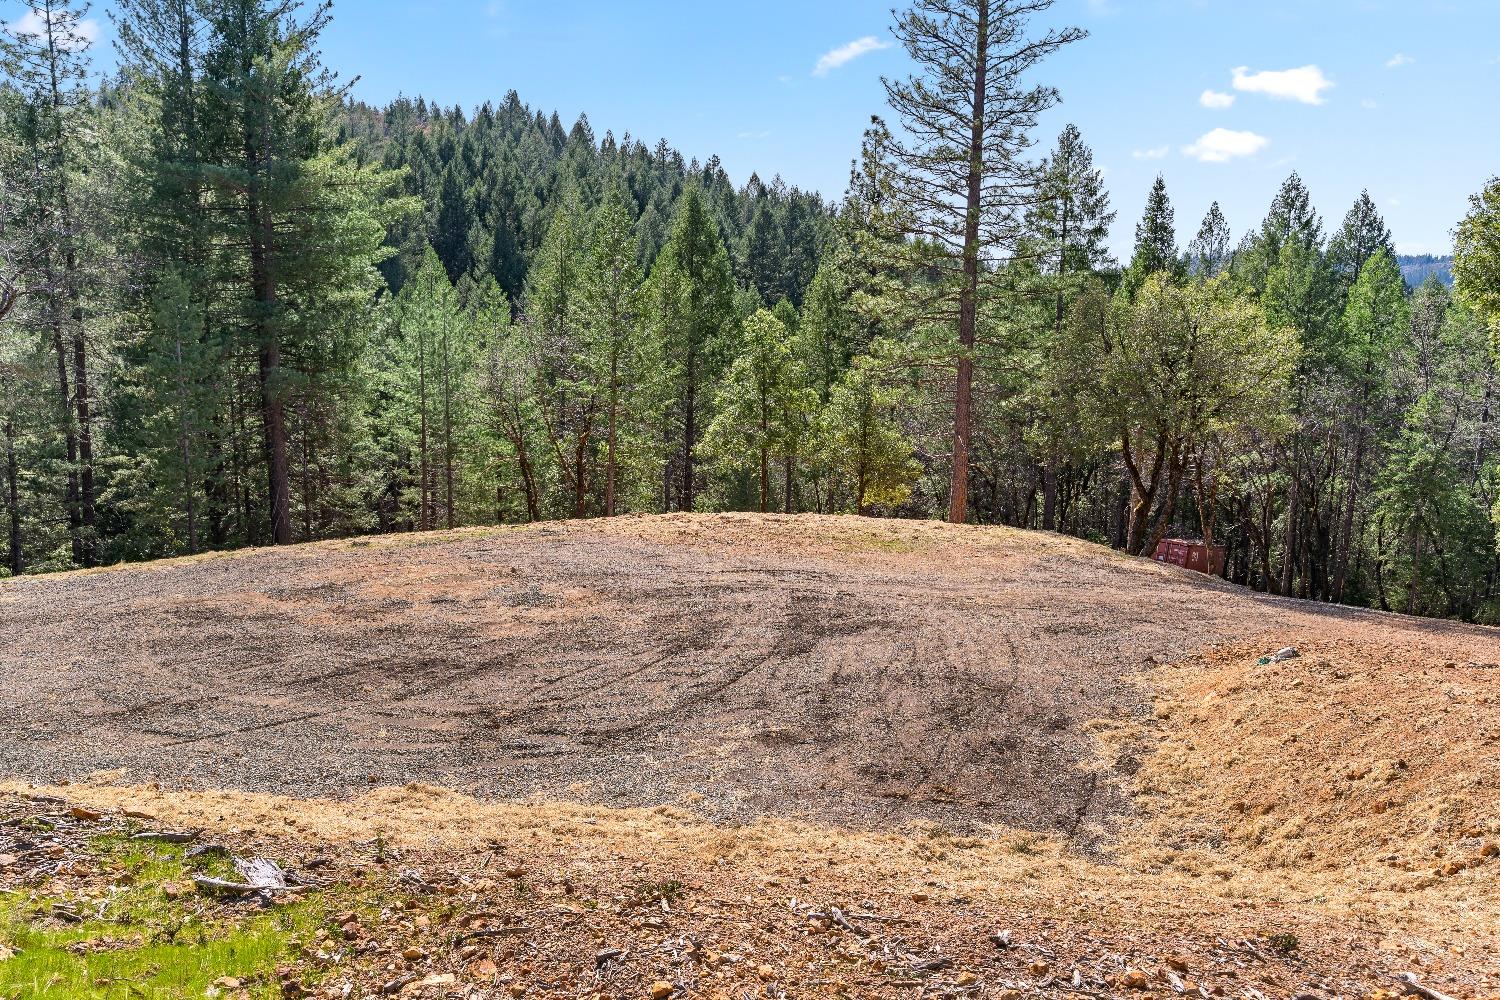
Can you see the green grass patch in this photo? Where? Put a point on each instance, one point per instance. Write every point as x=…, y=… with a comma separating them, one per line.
x=135, y=943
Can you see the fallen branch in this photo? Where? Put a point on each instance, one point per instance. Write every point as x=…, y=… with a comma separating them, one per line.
x=219, y=886
x=490, y=932
x=1415, y=988
x=837, y=915
x=169, y=836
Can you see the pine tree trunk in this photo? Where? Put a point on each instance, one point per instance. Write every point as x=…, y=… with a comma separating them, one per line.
x=70, y=439
x=84, y=544
x=614, y=418
x=968, y=305
x=273, y=411
x=84, y=418
x=447, y=432
x=424, y=508
x=189, y=499
x=1049, y=492
x=689, y=429
x=15, y=558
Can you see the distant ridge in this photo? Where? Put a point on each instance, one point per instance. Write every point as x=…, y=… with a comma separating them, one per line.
x=1417, y=269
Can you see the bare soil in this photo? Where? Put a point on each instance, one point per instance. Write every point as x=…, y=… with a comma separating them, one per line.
x=968, y=728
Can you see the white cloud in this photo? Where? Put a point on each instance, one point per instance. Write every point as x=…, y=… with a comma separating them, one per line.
x=1369, y=104
x=1222, y=145
x=831, y=61
x=1398, y=60
x=32, y=23
x=1305, y=84
x=1216, y=99
x=1159, y=153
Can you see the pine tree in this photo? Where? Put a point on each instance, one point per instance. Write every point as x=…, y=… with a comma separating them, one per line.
x=692, y=317
x=607, y=312
x=48, y=69
x=1070, y=227
x=960, y=181
x=1155, y=239
x=1362, y=236
x=1209, y=252
x=308, y=220
x=1376, y=324
x=762, y=404
x=860, y=436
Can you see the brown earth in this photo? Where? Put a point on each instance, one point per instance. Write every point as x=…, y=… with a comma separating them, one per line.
x=977, y=728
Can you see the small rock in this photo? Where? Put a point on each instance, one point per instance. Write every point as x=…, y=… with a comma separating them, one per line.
x=766, y=972
x=1134, y=979
x=413, y=954
x=1177, y=963
x=441, y=979
x=228, y=983
x=1039, y=968
x=966, y=979
x=662, y=989
x=87, y=815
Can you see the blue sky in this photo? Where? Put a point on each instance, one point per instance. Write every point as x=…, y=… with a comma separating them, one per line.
x=1224, y=97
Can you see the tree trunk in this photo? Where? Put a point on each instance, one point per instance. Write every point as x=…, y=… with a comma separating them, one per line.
x=1049, y=492
x=968, y=304
x=15, y=558
x=424, y=467
x=273, y=411
x=85, y=544
x=1346, y=531
x=614, y=417
x=70, y=438
x=189, y=499
x=448, y=501
x=689, y=429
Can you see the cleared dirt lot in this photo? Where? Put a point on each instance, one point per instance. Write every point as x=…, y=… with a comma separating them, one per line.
x=960, y=729
x=829, y=668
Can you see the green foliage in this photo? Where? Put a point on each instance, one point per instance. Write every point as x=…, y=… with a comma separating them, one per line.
x=860, y=437
x=691, y=316
x=159, y=947
x=1155, y=239
x=237, y=307
x=1476, y=264
x=765, y=404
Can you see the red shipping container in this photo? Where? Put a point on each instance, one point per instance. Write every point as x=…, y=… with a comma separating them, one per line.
x=1196, y=556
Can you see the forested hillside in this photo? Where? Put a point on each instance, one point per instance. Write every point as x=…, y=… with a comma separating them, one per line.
x=1418, y=269
x=242, y=308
